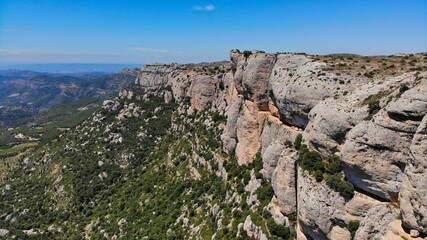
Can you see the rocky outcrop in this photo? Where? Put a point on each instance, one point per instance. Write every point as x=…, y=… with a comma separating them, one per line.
x=230, y=132
x=154, y=75
x=202, y=91
x=319, y=207
x=251, y=72
x=283, y=182
x=323, y=213
x=413, y=194
x=249, y=129
x=293, y=87
x=376, y=152
x=252, y=230
x=376, y=222
x=273, y=140
x=375, y=124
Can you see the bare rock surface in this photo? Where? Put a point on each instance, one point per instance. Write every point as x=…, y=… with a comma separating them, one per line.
x=202, y=91
x=253, y=230
x=273, y=138
x=230, y=132
x=249, y=128
x=413, y=194
x=295, y=87
x=376, y=222
x=251, y=73
x=376, y=152
x=4, y=232
x=319, y=207
x=283, y=182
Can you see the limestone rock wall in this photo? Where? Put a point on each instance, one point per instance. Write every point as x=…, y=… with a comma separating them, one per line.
x=270, y=98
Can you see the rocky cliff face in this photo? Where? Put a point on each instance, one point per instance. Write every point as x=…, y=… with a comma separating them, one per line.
x=354, y=107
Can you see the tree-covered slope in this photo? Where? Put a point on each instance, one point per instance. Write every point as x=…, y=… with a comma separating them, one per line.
x=136, y=168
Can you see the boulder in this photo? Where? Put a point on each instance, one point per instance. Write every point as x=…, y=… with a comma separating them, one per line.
x=4, y=233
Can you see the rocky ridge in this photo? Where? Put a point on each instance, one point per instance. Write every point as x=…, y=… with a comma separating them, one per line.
x=270, y=98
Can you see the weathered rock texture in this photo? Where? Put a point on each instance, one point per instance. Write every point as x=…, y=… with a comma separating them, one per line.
x=376, y=152
x=323, y=213
x=376, y=123
x=413, y=194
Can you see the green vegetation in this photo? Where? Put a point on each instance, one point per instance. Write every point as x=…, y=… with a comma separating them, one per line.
x=403, y=88
x=109, y=176
x=17, y=148
x=278, y=230
x=298, y=140
x=47, y=125
x=369, y=74
x=329, y=169
x=42, y=92
x=352, y=226
x=373, y=102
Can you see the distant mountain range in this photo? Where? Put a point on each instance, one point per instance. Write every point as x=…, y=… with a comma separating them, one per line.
x=23, y=94
x=69, y=68
x=12, y=74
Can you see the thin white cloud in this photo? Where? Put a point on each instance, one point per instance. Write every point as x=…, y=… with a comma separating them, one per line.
x=154, y=50
x=8, y=52
x=209, y=7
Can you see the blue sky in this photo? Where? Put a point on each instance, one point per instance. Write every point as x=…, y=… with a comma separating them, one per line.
x=125, y=31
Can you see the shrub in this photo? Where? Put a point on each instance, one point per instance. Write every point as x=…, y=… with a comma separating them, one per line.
x=334, y=164
x=246, y=54
x=333, y=180
x=403, y=88
x=369, y=74
x=374, y=107
x=352, y=226
x=257, y=163
x=240, y=188
x=266, y=214
x=312, y=161
x=303, y=149
x=346, y=189
x=298, y=140
x=277, y=229
x=246, y=177
x=265, y=192
x=319, y=176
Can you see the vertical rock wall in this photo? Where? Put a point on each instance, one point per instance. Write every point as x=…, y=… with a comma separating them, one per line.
x=270, y=98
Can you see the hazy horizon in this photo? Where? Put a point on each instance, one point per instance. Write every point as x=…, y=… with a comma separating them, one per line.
x=71, y=67
x=133, y=32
